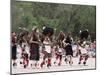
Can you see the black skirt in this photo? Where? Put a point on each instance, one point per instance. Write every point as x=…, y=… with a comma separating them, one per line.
x=69, y=50
x=34, y=53
x=14, y=52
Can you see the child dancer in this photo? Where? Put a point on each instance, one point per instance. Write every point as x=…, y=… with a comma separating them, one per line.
x=83, y=54
x=58, y=53
x=47, y=52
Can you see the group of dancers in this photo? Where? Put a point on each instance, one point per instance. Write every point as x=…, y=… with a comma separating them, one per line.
x=35, y=46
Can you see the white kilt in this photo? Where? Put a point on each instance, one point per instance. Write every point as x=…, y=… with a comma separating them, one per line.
x=83, y=50
x=48, y=48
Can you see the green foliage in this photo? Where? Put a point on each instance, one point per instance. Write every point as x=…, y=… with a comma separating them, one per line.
x=63, y=17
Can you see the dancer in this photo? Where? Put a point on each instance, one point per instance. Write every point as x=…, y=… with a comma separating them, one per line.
x=34, y=48
x=68, y=48
x=83, y=54
x=25, y=57
x=14, y=51
x=47, y=52
x=58, y=53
